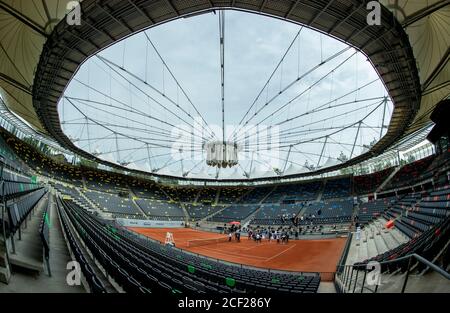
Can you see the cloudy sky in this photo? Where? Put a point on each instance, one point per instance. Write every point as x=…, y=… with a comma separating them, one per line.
x=128, y=105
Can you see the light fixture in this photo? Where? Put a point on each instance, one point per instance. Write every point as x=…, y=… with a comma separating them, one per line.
x=222, y=154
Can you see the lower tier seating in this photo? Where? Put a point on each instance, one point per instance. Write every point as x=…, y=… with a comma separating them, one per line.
x=425, y=221
x=142, y=265
x=94, y=283
x=19, y=208
x=373, y=209
x=327, y=212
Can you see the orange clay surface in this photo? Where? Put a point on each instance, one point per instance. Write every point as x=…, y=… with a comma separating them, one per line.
x=321, y=255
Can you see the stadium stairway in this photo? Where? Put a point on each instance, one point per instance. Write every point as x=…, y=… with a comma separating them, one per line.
x=205, y=219
x=91, y=204
x=245, y=222
x=185, y=212
x=425, y=276
x=388, y=179
x=109, y=285
x=30, y=250
x=196, y=197
x=371, y=246
x=302, y=211
x=375, y=240
x=393, y=282
x=378, y=240
x=133, y=202
x=326, y=287
x=267, y=195
x=395, y=237
x=216, y=199
x=320, y=193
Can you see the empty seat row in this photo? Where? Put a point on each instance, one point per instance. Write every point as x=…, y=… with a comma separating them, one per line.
x=337, y=188
x=148, y=264
x=13, y=189
x=95, y=285
x=201, y=210
x=18, y=209
x=236, y=212
x=159, y=208
x=44, y=230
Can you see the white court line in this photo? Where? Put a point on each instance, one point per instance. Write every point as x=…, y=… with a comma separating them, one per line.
x=234, y=254
x=281, y=252
x=256, y=246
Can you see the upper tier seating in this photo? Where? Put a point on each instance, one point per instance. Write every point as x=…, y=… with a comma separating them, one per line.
x=272, y=214
x=147, y=190
x=409, y=174
x=294, y=192
x=161, y=210
x=366, y=184
x=256, y=195
x=199, y=211
x=104, y=181
x=72, y=193
x=207, y=195
x=437, y=169
x=337, y=188
x=42, y=164
x=237, y=212
x=11, y=159
x=231, y=194
x=186, y=195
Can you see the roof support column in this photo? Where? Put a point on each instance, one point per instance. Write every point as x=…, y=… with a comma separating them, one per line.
x=356, y=137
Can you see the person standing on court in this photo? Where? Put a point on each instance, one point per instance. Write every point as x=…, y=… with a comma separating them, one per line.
x=358, y=231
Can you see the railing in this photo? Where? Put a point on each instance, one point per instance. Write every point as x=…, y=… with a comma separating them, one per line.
x=348, y=277
x=341, y=263
x=3, y=214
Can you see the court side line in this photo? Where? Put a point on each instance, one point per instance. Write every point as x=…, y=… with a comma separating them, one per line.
x=233, y=254
x=276, y=255
x=256, y=246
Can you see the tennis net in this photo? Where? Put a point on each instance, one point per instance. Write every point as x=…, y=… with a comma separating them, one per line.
x=204, y=242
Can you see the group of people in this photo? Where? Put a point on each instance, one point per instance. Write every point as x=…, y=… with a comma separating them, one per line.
x=291, y=231
x=281, y=236
x=234, y=230
x=237, y=236
x=300, y=220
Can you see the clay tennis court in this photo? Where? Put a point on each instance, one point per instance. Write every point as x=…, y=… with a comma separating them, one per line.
x=321, y=255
